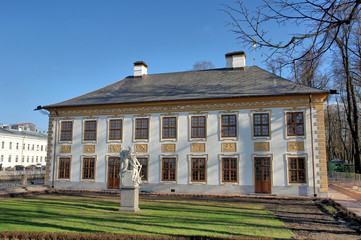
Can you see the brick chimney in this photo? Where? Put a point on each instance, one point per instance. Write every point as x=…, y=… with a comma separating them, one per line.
x=140, y=68
x=235, y=59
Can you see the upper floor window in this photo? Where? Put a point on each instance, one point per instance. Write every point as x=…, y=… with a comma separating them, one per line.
x=295, y=124
x=297, y=170
x=2, y=158
x=32, y=147
x=88, y=168
x=28, y=146
x=198, y=124
x=23, y=146
x=261, y=124
x=9, y=158
x=66, y=131
x=42, y=147
x=115, y=129
x=229, y=126
x=17, y=146
x=169, y=127
x=2, y=144
x=141, y=128
x=90, y=130
x=10, y=145
x=37, y=147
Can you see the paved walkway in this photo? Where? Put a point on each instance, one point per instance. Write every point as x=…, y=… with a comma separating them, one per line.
x=345, y=198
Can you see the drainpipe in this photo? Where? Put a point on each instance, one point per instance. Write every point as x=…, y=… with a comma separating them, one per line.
x=312, y=149
x=54, y=155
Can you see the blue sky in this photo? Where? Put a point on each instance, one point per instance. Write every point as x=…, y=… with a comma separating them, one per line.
x=51, y=51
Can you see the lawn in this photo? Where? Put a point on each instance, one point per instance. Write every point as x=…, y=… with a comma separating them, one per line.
x=100, y=213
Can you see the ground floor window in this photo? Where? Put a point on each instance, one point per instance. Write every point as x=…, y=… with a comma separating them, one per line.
x=168, y=169
x=198, y=170
x=229, y=170
x=144, y=172
x=88, y=168
x=297, y=171
x=64, y=168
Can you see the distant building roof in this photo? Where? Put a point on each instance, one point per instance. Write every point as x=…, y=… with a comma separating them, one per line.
x=191, y=85
x=18, y=133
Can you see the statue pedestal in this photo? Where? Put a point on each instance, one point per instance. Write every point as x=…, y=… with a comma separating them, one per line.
x=129, y=199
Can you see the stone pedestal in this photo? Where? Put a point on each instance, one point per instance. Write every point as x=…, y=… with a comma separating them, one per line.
x=129, y=199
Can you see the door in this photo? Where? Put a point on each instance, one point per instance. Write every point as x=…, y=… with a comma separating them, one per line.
x=262, y=166
x=113, y=172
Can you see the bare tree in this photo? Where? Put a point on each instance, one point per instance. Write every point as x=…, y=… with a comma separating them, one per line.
x=202, y=65
x=329, y=26
x=317, y=17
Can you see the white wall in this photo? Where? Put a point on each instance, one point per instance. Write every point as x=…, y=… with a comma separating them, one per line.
x=245, y=146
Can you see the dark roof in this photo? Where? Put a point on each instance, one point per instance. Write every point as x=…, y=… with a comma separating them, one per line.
x=24, y=133
x=206, y=84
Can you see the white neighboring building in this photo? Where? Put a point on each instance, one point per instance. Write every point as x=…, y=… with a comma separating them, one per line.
x=21, y=147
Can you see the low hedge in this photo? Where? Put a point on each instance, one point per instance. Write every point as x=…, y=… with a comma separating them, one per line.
x=12, y=235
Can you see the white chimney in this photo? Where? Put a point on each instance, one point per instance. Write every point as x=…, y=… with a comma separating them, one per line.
x=140, y=69
x=235, y=59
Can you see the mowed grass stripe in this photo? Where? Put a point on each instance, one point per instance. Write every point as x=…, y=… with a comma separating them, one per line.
x=56, y=213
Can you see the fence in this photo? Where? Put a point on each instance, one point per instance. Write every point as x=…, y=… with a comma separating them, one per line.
x=17, y=175
x=347, y=179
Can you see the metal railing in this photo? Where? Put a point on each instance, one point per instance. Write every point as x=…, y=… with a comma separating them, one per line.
x=347, y=179
x=17, y=175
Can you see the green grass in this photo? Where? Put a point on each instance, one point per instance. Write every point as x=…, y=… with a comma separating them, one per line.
x=56, y=213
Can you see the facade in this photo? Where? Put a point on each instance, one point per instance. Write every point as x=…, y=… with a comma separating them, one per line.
x=239, y=130
x=22, y=147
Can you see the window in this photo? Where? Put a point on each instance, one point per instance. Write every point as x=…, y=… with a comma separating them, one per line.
x=144, y=172
x=23, y=146
x=141, y=128
x=168, y=169
x=28, y=146
x=2, y=144
x=88, y=168
x=2, y=158
x=17, y=146
x=295, y=124
x=23, y=159
x=9, y=160
x=229, y=126
x=16, y=158
x=41, y=159
x=37, y=158
x=198, y=169
x=115, y=129
x=229, y=170
x=27, y=159
x=64, y=168
x=261, y=124
x=10, y=145
x=297, y=172
x=66, y=131
x=169, y=127
x=32, y=147
x=37, y=147
x=198, y=127
x=41, y=149
x=90, y=130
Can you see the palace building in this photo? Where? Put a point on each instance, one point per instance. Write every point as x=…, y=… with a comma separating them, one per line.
x=236, y=130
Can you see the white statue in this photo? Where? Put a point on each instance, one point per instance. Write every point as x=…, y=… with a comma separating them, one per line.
x=130, y=167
